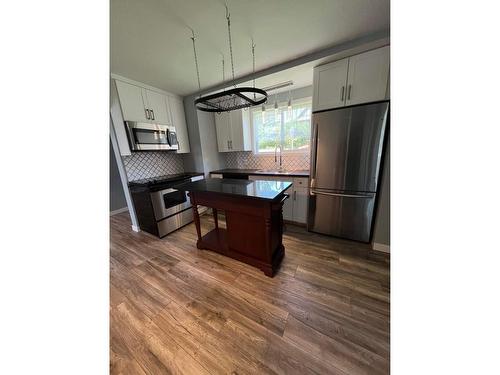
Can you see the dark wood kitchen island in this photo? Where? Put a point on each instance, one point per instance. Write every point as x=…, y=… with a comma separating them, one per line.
x=254, y=221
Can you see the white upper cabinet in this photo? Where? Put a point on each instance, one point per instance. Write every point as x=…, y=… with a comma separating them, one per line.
x=179, y=121
x=132, y=102
x=368, y=76
x=143, y=105
x=330, y=85
x=223, y=129
x=236, y=125
x=358, y=79
x=158, y=107
x=233, y=131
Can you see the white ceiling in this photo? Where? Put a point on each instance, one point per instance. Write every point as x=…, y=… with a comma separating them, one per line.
x=150, y=39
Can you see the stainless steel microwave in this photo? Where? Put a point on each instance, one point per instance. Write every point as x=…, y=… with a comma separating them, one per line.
x=149, y=137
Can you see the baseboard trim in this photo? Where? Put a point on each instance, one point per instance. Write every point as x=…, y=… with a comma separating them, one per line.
x=381, y=247
x=296, y=223
x=118, y=211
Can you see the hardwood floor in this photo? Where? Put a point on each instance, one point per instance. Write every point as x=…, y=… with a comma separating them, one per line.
x=176, y=309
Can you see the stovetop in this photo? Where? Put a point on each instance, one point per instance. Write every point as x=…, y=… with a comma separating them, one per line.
x=162, y=179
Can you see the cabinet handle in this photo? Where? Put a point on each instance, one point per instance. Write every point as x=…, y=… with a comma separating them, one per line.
x=147, y=114
x=228, y=145
x=152, y=114
x=349, y=93
x=295, y=195
x=342, y=95
x=231, y=143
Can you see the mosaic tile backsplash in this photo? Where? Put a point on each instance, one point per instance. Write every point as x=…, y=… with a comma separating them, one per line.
x=247, y=160
x=151, y=164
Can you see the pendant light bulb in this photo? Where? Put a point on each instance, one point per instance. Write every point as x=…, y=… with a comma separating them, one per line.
x=289, y=99
x=276, y=104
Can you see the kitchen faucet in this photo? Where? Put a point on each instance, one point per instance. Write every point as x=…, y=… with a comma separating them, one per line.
x=276, y=158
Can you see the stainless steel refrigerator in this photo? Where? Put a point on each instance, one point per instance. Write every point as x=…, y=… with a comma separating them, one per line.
x=346, y=153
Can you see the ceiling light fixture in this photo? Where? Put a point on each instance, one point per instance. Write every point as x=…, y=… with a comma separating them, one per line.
x=275, y=103
x=236, y=98
x=273, y=88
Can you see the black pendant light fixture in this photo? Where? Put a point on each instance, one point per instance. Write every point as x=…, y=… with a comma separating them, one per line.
x=232, y=99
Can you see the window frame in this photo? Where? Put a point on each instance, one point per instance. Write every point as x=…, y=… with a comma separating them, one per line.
x=284, y=104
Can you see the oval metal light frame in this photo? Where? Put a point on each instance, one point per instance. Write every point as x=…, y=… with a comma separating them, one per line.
x=225, y=101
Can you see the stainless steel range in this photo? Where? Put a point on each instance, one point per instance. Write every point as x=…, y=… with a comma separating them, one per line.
x=160, y=208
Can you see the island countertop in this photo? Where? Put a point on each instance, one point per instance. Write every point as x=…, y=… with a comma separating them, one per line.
x=262, y=190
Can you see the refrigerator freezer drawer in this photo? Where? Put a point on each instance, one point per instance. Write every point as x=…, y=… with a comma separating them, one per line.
x=345, y=215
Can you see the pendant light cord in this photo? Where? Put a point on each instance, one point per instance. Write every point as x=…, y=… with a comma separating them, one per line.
x=228, y=17
x=253, y=69
x=196, y=59
x=223, y=69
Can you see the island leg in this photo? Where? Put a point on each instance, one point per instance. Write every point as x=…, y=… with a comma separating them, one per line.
x=196, y=218
x=216, y=219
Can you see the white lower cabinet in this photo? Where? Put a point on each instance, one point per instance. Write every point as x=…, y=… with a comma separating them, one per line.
x=300, y=198
x=288, y=209
x=295, y=207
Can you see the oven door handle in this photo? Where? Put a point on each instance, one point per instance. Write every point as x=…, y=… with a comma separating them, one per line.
x=170, y=190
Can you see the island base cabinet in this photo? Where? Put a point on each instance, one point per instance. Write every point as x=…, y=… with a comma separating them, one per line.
x=254, y=230
x=252, y=237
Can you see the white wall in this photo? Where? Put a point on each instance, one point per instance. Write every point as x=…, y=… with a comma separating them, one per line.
x=204, y=156
x=212, y=158
x=116, y=195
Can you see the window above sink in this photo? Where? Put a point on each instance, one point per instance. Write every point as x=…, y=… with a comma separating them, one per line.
x=288, y=127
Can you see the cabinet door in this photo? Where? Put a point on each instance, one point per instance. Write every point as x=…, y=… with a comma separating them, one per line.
x=330, y=84
x=131, y=102
x=240, y=131
x=158, y=105
x=223, y=128
x=237, y=141
x=179, y=121
x=300, y=198
x=367, y=77
x=288, y=208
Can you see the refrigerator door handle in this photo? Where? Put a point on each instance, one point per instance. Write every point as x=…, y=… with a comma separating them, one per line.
x=314, y=192
x=313, y=156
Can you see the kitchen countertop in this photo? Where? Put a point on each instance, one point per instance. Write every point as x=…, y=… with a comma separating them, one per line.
x=263, y=190
x=151, y=181
x=261, y=172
